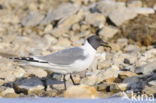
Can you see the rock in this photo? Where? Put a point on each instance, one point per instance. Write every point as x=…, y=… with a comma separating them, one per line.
x=135, y=83
x=110, y=74
x=108, y=32
x=144, y=11
x=66, y=23
x=48, y=28
x=150, y=90
x=55, y=84
x=64, y=10
x=62, y=44
x=131, y=48
x=11, y=95
x=149, y=54
x=122, y=42
x=97, y=22
x=32, y=19
x=38, y=72
x=154, y=7
x=147, y=68
x=31, y=85
x=51, y=93
x=107, y=6
x=81, y=91
x=134, y=3
x=153, y=83
x=9, y=72
x=126, y=74
x=118, y=87
x=5, y=91
x=102, y=87
x=121, y=15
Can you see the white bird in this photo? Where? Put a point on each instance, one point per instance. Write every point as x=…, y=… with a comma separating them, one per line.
x=68, y=61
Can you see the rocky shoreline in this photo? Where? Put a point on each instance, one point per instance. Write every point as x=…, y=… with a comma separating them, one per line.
x=39, y=28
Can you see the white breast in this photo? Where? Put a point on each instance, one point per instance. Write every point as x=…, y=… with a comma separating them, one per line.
x=81, y=65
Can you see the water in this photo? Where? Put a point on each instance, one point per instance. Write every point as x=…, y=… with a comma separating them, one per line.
x=62, y=100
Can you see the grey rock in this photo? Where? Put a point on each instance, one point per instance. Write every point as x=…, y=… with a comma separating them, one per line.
x=122, y=42
x=138, y=83
x=144, y=11
x=28, y=85
x=134, y=3
x=153, y=83
x=131, y=48
x=147, y=68
x=154, y=7
x=135, y=83
x=32, y=19
x=108, y=32
x=95, y=19
x=66, y=22
x=6, y=90
x=107, y=6
x=64, y=10
x=120, y=15
x=9, y=72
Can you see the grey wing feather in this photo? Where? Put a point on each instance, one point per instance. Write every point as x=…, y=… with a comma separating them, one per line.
x=64, y=57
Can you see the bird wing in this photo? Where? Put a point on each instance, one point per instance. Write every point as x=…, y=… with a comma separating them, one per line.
x=64, y=57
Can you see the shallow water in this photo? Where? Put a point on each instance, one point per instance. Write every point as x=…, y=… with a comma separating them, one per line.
x=62, y=100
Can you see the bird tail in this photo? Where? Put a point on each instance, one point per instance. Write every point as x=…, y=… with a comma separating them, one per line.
x=27, y=59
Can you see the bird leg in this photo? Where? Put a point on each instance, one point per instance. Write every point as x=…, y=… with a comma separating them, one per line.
x=64, y=80
x=73, y=80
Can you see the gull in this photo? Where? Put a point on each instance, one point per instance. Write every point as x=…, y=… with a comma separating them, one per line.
x=67, y=61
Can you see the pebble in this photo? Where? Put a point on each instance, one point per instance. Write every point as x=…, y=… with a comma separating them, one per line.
x=134, y=3
x=81, y=91
x=29, y=85
x=63, y=10
x=32, y=19
x=108, y=32
x=121, y=15
x=148, y=68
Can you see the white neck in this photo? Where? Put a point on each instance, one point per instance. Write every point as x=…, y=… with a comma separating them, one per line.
x=89, y=47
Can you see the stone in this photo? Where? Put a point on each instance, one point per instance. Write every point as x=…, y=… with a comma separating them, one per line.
x=55, y=84
x=154, y=7
x=9, y=72
x=102, y=87
x=107, y=6
x=150, y=90
x=38, y=72
x=6, y=90
x=122, y=42
x=51, y=93
x=32, y=19
x=48, y=28
x=62, y=43
x=148, y=68
x=134, y=3
x=31, y=85
x=126, y=74
x=81, y=91
x=121, y=15
x=131, y=48
x=135, y=83
x=149, y=54
x=108, y=32
x=118, y=87
x=153, y=83
x=64, y=10
x=97, y=22
x=144, y=11
x=65, y=23
x=108, y=75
